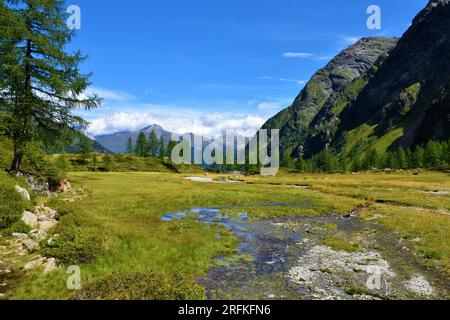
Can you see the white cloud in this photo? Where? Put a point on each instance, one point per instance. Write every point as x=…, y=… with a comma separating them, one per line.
x=292, y=80
x=349, y=40
x=122, y=111
x=111, y=95
x=300, y=82
x=268, y=106
x=294, y=55
x=181, y=121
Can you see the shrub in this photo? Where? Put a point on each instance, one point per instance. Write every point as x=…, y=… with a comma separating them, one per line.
x=12, y=204
x=63, y=208
x=77, y=239
x=146, y=285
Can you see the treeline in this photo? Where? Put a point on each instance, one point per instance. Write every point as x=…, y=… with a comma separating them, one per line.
x=151, y=147
x=434, y=155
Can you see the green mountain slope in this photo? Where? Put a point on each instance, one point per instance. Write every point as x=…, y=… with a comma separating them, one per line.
x=343, y=70
x=410, y=92
x=380, y=93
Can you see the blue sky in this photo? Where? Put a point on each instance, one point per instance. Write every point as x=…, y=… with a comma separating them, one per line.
x=204, y=66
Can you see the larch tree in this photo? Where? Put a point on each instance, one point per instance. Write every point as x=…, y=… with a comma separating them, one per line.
x=129, y=146
x=141, y=149
x=41, y=83
x=154, y=144
x=162, y=149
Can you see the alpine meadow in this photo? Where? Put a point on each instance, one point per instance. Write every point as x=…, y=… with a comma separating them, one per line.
x=175, y=153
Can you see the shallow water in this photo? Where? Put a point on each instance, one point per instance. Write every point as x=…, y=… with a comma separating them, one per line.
x=273, y=246
x=282, y=258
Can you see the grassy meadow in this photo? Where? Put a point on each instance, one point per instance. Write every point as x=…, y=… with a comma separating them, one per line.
x=114, y=233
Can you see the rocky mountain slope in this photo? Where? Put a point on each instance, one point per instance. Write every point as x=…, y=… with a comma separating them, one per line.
x=386, y=92
x=349, y=65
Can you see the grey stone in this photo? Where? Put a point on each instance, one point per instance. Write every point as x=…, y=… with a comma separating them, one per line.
x=23, y=192
x=30, y=219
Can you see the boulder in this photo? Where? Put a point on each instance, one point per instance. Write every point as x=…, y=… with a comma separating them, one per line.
x=30, y=245
x=46, y=225
x=20, y=236
x=30, y=219
x=38, y=235
x=50, y=265
x=35, y=264
x=23, y=192
x=65, y=186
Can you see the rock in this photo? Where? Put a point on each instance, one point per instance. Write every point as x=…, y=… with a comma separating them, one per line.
x=30, y=219
x=2, y=295
x=38, y=235
x=21, y=236
x=419, y=285
x=49, y=213
x=50, y=265
x=30, y=245
x=6, y=271
x=35, y=264
x=46, y=225
x=38, y=185
x=321, y=268
x=23, y=192
x=42, y=217
x=65, y=186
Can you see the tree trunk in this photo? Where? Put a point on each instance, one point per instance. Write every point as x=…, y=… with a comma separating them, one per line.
x=16, y=162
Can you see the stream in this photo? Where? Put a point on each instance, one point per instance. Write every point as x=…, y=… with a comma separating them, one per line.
x=285, y=258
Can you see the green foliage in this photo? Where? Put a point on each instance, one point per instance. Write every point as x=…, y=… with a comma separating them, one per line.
x=41, y=82
x=107, y=162
x=77, y=238
x=63, y=208
x=162, y=149
x=129, y=145
x=85, y=147
x=154, y=144
x=147, y=285
x=142, y=148
x=300, y=164
x=434, y=156
x=94, y=162
x=11, y=204
x=288, y=162
x=63, y=163
x=433, y=152
x=172, y=144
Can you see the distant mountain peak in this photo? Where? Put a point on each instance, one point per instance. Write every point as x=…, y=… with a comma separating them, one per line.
x=117, y=142
x=152, y=127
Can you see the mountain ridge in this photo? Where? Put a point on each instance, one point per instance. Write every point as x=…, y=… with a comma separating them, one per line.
x=399, y=99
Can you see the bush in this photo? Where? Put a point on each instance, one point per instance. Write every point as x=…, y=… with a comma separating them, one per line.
x=12, y=204
x=63, y=208
x=147, y=285
x=77, y=239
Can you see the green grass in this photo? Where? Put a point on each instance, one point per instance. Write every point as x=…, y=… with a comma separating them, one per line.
x=11, y=206
x=339, y=243
x=127, y=163
x=387, y=140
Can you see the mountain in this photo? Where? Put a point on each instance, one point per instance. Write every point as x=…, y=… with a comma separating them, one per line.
x=117, y=142
x=74, y=147
x=407, y=102
x=336, y=76
x=380, y=93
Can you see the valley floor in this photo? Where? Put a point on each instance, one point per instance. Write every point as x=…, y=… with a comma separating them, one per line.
x=294, y=236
